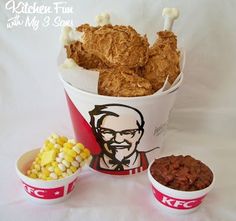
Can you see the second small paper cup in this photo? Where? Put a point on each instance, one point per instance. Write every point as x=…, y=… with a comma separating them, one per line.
x=177, y=201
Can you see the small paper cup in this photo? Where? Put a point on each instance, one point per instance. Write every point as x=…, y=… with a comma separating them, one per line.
x=177, y=201
x=41, y=191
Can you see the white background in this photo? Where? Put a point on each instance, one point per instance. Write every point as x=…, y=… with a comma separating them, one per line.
x=203, y=123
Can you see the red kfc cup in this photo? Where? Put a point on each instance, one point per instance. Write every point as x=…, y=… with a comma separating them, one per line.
x=41, y=191
x=177, y=201
x=123, y=134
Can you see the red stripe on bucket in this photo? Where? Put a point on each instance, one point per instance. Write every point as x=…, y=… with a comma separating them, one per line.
x=83, y=131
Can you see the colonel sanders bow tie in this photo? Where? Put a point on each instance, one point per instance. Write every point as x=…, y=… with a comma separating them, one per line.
x=119, y=164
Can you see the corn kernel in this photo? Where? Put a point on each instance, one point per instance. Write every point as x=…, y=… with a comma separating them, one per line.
x=72, y=153
x=57, y=171
x=68, y=145
x=50, y=169
x=84, y=155
x=58, y=146
x=79, y=158
x=66, y=163
x=61, y=155
x=65, y=139
x=80, y=146
x=66, y=150
x=69, y=172
x=59, y=159
x=60, y=142
x=52, y=140
x=64, y=174
x=40, y=175
x=75, y=163
x=87, y=151
x=76, y=149
x=69, y=158
x=33, y=175
x=72, y=141
x=73, y=169
x=37, y=167
x=44, y=177
x=53, y=176
x=54, y=164
x=61, y=167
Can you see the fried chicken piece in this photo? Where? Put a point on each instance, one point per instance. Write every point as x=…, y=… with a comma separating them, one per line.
x=116, y=45
x=84, y=59
x=163, y=61
x=123, y=83
x=165, y=38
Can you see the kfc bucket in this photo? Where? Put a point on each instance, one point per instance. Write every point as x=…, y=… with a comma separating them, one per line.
x=123, y=134
x=41, y=191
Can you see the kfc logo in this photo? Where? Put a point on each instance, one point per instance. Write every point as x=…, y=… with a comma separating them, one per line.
x=118, y=129
x=176, y=203
x=52, y=193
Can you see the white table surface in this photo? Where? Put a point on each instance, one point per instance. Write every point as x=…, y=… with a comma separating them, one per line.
x=203, y=123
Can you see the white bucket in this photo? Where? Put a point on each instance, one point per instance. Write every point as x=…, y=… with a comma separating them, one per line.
x=124, y=134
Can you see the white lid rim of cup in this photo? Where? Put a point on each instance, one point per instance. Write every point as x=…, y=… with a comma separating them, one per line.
x=28, y=180
x=172, y=89
x=179, y=193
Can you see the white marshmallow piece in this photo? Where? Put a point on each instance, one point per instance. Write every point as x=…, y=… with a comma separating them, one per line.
x=103, y=19
x=69, y=35
x=169, y=14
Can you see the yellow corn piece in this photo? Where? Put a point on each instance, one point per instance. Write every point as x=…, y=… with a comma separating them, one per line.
x=44, y=177
x=68, y=145
x=57, y=171
x=72, y=153
x=37, y=167
x=48, y=157
x=54, y=164
x=69, y=158
x=33, y=175
x=45, y=172
x=63, y=138
x=37, y=159
x=87, y=151
x=66, y=150
x=49, y=146
x=73, y=169
x=80, y=146
x=83, y=155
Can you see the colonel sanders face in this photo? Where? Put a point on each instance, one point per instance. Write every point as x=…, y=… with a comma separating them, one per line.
x=119, y=130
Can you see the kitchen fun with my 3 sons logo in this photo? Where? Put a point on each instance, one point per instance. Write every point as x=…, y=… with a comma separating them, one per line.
x=37, y=15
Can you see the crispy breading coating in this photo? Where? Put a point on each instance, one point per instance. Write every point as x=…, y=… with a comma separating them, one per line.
x=88, y=61
x=117, y=46
x=163, y=61
x=123, y=83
